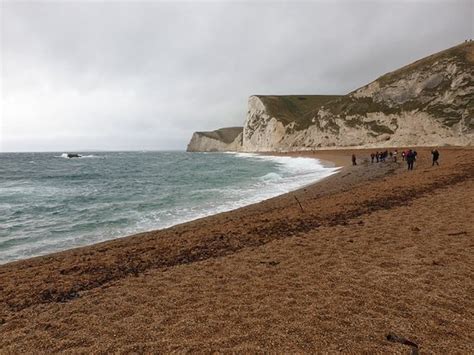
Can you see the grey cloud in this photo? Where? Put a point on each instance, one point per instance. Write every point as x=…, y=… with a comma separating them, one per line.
x=145, y=75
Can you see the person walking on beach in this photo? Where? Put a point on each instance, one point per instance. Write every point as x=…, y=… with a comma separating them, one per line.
x=435, y=155
x=377, y=156
x=410, y=157
x=395, y=153
x=354, y=159
x=372, y=157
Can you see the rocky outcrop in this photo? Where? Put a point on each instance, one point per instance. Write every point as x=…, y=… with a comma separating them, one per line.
x=221, y=140
x=427, y=103
x=273, y=122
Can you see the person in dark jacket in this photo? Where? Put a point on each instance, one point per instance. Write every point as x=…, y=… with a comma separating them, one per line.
x=354, y=159
x=435, y=155
x=410, y=158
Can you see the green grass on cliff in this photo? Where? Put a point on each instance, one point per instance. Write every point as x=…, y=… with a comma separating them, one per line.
x=296, y=108
x=462, y=54
x=226, y=135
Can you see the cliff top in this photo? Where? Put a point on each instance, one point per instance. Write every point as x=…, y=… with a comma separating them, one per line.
x=226, y=135
x=295, y=108
x=462, y=53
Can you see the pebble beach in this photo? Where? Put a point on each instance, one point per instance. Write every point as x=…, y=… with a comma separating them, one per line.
x=353, y=263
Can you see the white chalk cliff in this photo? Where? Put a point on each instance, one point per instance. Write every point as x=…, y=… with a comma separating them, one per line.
x=221, y=140
x=427, y=103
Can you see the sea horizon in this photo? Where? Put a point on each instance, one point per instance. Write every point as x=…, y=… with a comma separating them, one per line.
x=94, y=150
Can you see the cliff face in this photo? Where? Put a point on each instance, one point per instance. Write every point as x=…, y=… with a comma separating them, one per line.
x=429, y=102
x=221, y=140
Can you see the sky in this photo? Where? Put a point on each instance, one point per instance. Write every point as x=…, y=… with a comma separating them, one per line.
x=144, y=75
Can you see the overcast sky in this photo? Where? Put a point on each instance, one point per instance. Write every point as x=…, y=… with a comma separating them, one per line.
x=145, y=75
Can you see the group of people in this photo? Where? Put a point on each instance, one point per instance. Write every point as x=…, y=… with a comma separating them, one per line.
x=382, y=156
x=407, y=155
x=410, y=157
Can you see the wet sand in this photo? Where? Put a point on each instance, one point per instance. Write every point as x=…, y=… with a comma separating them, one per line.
x=372, y=250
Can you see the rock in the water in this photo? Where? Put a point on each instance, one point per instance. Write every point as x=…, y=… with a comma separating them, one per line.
x=72, y=155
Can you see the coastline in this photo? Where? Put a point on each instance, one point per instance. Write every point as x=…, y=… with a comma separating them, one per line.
x=330, y=159
x=74, y=280
x=326, y=160
x=288, y=174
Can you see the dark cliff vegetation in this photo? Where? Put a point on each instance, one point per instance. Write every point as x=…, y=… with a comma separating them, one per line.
x=299, y=109
x=226, y=135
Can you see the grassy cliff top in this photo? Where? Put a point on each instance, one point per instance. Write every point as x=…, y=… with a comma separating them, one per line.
x=226, y=135
x=463, y=54
x=295, y=108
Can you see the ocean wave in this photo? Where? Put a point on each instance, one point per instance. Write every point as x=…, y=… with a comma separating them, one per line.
x=291, y=165
x=271, y=177
x=93, y=156
x=245, y=155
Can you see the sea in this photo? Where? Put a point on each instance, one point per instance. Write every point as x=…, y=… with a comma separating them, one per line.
x=49, y=202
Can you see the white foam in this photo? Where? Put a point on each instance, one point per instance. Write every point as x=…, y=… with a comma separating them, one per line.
x=294, y=165
x=295, y=173
x=271, y=177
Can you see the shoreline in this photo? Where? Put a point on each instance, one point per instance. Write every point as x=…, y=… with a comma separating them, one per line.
x=328, y=160
x=337, y=158
x=257, y=238
x=324, y=163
